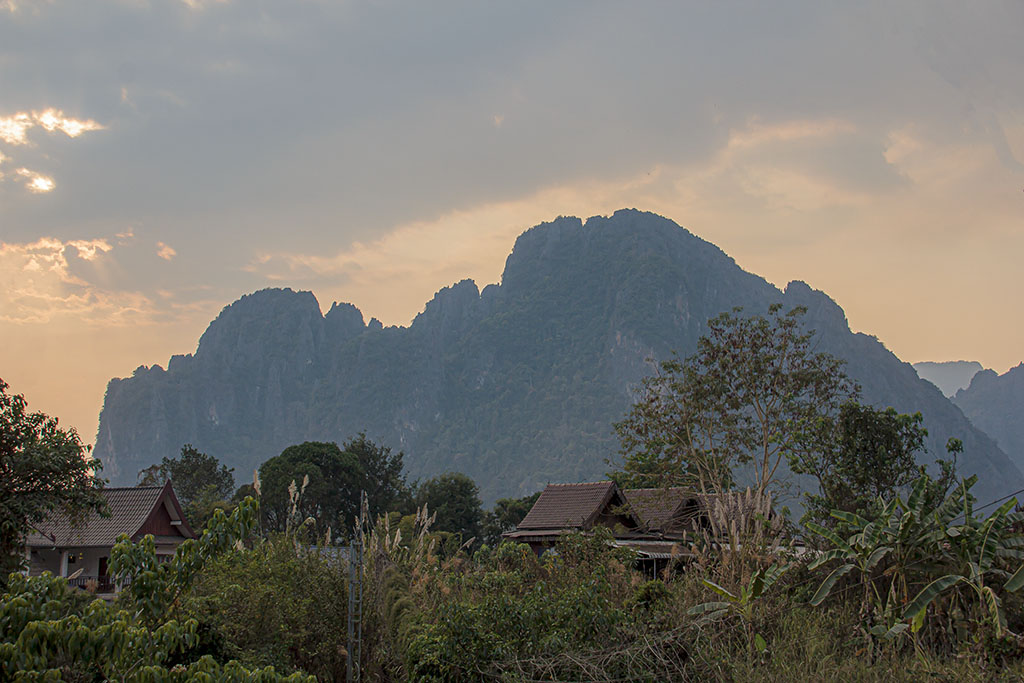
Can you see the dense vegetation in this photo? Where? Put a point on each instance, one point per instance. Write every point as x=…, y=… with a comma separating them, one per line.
x=895, y=574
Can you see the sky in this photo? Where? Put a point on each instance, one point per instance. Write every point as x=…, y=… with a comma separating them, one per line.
x=160, y=158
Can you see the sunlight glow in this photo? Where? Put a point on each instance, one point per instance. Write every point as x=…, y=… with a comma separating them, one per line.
x=37, y=182
x=14, y=129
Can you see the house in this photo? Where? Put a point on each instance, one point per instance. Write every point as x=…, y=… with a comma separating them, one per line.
x=564, y=508
x=83, y=550
x=658, y=523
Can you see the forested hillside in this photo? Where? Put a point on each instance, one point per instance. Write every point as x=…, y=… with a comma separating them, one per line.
x=517, y=385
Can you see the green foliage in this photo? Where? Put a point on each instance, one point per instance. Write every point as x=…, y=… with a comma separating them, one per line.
x=864, y=455
x=454, y=499
x=151, y=586
x=981, y=551
x=49, y=632
x=752, y=395
x=502, y=613
x=278, y=604
x=331, y=497
x=905, y=545
x=742, y=603
x=383, y=477
x=505, y=516
x=337, y=477
x=43, y=469
x=201, y=483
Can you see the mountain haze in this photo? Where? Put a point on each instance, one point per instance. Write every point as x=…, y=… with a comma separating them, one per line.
x=949, y=376
x=995, y=404
x=516, y=385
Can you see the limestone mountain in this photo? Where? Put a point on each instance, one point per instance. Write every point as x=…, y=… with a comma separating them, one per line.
x=995, y=404
x=948, y=376
x=516, y=385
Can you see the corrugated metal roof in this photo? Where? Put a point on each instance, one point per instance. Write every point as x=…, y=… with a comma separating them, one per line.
x=567, y=506
x=129, y=508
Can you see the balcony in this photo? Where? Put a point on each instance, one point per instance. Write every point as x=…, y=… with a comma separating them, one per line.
x=93, y=584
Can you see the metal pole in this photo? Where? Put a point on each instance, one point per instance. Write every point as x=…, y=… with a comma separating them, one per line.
x=353, y=662
x=351, y=611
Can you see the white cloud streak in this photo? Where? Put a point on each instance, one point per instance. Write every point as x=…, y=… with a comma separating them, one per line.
x=14, y=128
x=37, y=183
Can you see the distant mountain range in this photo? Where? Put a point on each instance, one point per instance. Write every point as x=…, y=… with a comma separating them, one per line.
x=517, y=385
x=949, y=376
x=995, y=404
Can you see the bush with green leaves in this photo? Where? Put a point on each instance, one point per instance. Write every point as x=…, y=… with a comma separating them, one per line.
x=48, y=632
x=513, y=606
x=278, y=604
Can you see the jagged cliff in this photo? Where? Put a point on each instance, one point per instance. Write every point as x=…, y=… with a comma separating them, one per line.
x=517, y=385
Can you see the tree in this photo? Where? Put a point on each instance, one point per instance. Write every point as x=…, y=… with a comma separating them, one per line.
x=331, y=497
x=43, y=469
x=337, y=476
x=383, y=478
x=455, y=499
x=505, y=516
x=751, y=395
x=201, y=483
x=861, y=457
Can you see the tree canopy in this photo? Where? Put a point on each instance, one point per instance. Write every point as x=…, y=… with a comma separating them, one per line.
x=455, y=499
x=201, y=483
x=337, y=476
x=863, y=456
x=751, y=395
x=43, y=469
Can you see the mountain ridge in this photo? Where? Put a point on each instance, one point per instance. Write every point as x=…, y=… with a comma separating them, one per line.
x=517, y=384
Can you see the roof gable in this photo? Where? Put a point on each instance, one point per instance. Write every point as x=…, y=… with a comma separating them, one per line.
x=658, y=508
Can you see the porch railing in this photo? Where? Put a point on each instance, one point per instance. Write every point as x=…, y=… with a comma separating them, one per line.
x=98, y=584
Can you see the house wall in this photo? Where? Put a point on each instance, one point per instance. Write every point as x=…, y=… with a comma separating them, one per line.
x=86, y=559
x=159, y=524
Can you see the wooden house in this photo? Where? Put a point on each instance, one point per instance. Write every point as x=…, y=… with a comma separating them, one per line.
x=82, y=550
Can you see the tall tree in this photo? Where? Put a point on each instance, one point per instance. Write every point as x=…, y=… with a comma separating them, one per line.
x=43, y=469
x=191, y=473
x=751, y=395
x=331, y=495
x=455, y=498
x=201, y=483
x=864, y=456
x=383, y=476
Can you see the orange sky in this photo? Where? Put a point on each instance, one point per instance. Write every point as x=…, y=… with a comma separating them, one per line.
x=374, y=154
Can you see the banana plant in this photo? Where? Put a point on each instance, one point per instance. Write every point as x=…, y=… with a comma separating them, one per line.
x=742, y=603
x=899, y=534
x=979, y=549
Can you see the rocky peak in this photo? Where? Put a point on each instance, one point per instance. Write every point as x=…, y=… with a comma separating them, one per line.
x=343, y=322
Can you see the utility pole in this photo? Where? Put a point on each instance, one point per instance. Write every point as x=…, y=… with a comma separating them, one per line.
x=353, y=662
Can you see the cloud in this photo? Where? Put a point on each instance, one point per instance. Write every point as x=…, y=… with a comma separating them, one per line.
x=50, y=277
x=14, y=128
x=165, y=251
x=14, y=131
x=37, y=182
